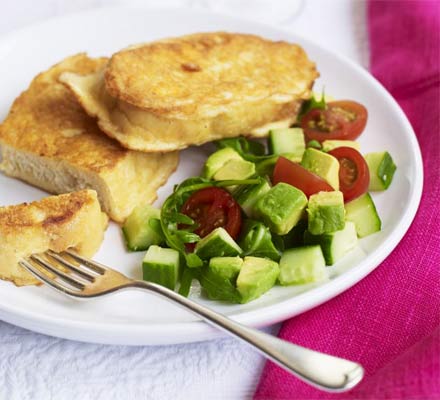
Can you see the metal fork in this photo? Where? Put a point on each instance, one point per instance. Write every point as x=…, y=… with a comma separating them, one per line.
x=79, y=277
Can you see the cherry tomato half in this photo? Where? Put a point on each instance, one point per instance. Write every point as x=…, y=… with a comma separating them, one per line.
x=212, y=208
x=294, y=174
x=343, y=119
x=354, y=176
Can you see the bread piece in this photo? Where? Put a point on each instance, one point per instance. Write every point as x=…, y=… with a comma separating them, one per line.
x=71, y=220
x=49, y=141
x=170, y=94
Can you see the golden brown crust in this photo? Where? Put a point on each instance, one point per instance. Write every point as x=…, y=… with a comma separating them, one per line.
x=48, y=213
x=71, y=220
x=48, y=121
x=49, y=141
x=200, y=74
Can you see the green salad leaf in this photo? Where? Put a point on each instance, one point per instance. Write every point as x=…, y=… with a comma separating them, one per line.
x=253, y=151
x=178, y=228
x=217, y=287
x=311, y=104
x=256, y=240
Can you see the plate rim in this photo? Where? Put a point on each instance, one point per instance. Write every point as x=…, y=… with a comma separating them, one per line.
x=142, y=333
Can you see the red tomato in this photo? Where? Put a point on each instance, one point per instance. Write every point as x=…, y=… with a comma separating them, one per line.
x=343, y=119
x=212, y=208
x=294, y=174
x=354, y=176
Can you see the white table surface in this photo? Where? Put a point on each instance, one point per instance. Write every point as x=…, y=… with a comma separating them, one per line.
x=35, y=366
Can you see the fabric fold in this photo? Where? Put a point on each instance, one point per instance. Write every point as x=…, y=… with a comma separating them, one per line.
x=389, y=321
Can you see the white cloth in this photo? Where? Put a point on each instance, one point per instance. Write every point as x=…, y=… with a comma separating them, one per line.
x=35, y=366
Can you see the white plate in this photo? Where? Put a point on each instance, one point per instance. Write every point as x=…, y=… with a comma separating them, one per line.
x=138, y=318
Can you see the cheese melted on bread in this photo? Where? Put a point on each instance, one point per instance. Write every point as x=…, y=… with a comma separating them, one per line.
x=170, y=94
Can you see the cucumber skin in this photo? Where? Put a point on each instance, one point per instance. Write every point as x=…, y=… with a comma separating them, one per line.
x=327, y=242
x=214, y=246
x=363, y=213
x=144, y=236
x=296, y=261
x=156, y=270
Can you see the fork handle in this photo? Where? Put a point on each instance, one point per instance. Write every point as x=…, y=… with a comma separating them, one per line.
x=321, y=370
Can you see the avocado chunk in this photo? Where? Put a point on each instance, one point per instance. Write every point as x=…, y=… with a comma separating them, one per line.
x=362, y=212
x=250, y=195
x=162, y=266
x=288, y=140
x=334, y=245
x=381, y=167
x=326, y=212
x=256, y=240
x=138, y=233
x=216, y=160
x=329, y=145
x=302, y=265
x=235, y=169
x=218, y=243
x=257, y=276
x=323, y=165
x=226, y=267
x=281, y=207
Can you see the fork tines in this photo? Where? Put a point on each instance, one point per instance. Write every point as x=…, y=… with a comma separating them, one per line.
x=72, y=272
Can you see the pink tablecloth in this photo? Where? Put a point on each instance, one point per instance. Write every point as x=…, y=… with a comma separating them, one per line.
x=389, y=322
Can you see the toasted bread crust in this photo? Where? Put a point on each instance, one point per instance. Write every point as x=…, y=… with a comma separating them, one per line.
x=49, y=141
x=71, y=220
x=198, y=75
x=48, y=121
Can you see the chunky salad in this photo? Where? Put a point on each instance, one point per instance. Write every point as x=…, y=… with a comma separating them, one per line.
x=264, y=215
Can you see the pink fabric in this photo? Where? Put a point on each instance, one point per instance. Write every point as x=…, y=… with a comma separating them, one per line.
x=389, y=322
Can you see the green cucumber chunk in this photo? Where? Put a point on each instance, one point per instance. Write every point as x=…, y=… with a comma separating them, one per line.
x=287, y=140
x=256, y=240
x=162, y=266
x=250, y=194
x=362, y=212
x=323, y=165
x=217, y=159
x=302, y=265
x=281, y=207
x=218, y=243
x=138, y=233
x=226, y=267
x=257, y=276
x=382, y=168
x=334, y=245
x=326, y=212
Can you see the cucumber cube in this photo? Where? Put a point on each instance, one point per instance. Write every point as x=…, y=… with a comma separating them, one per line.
x=137, y=231
x=287, y=140
x=302, y=265
x=334, y=245
x=217, y=244
x=362, y=212
x=162, y=266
